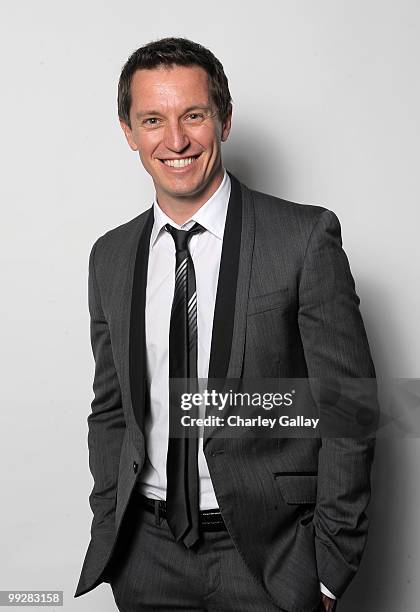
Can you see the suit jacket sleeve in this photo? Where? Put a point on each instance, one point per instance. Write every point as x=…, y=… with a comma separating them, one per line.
x=106, y=423
x=336, y=346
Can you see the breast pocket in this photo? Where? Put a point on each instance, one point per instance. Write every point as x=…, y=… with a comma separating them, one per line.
x=268, y=301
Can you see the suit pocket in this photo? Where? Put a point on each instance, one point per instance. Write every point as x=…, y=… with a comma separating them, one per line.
x=299, y=488
x=268, y=301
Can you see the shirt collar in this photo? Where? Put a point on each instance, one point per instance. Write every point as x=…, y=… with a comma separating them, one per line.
x=212, y=215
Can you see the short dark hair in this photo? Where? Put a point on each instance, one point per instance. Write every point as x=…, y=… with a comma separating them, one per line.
x=169, y=52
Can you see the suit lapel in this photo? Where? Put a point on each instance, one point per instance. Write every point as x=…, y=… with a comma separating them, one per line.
x=137, y=338
x=224, y=310
x=239, y=302
x=229, y=322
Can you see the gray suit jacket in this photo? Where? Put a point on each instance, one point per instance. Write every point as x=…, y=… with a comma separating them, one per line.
x=286, y=307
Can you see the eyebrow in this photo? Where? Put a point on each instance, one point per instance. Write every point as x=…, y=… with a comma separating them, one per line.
x=187, y=110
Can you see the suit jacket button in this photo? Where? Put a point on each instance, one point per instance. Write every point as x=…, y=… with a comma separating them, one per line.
x=135, y=467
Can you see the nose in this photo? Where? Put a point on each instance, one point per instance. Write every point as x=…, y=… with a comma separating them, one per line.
x=175, y=137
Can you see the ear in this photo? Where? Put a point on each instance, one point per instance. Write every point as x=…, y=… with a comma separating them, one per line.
x=129, y=135
x=227, y=124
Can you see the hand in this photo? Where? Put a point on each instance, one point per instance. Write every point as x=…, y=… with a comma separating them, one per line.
x=328, y=602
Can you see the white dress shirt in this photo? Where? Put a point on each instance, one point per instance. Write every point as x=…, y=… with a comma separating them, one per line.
x=205, y=249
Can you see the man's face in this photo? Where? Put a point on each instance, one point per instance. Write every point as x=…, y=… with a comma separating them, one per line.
x=173, y=118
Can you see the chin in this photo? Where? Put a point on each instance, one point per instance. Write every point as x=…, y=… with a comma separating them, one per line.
x=181, y=192
x=189, y=188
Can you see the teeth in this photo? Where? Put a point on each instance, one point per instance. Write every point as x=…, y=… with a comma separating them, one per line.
x=179, y=163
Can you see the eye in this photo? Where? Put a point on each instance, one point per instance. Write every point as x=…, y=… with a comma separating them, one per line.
x=151, y=121
x=195, y=116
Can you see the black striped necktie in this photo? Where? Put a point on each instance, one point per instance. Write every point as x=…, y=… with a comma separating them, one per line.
x=182, y=493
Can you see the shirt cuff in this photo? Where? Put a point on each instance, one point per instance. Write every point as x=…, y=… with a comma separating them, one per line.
x=326, y=591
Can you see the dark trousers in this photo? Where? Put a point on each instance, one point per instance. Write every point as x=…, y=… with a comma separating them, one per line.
x=150, y=571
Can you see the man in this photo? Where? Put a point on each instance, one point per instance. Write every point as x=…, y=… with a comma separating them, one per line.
x=216, y=280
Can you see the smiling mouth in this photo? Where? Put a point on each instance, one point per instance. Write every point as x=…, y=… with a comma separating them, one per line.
x=181, y=162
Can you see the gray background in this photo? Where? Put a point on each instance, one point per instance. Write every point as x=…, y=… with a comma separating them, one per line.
x=326, y=111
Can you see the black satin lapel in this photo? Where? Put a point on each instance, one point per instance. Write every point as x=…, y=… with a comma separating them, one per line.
x=224, y=311
x=137, y=346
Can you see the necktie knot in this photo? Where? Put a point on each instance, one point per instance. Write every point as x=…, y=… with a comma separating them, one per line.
x=182, y=237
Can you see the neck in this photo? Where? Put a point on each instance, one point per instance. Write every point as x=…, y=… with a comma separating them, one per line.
x=182, y=208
